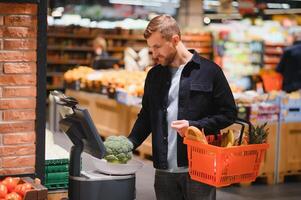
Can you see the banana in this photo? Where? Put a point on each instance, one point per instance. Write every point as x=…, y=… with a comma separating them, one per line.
x=224, y=139
x=230, y=137
x=229, y=144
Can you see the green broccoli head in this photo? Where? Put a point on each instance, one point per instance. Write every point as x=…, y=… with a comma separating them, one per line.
x=118, y=149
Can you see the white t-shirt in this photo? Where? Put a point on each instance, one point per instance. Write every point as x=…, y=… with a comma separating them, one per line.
x=172, y=115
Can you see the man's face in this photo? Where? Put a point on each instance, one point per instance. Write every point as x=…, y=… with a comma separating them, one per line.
x=163, y=51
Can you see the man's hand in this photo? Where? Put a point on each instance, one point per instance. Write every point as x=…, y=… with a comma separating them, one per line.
x=180, y=126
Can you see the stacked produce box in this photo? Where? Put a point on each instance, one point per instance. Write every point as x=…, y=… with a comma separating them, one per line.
x=57, y=174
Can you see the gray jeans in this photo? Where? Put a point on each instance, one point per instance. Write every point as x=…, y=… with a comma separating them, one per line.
x=179, y=186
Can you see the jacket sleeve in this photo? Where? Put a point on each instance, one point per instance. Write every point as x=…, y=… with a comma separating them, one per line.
x=224, y=104
x=142, y=126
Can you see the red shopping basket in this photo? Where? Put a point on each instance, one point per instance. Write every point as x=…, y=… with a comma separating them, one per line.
x=221, y=166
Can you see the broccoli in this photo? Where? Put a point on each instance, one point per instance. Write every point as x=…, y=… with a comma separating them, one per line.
x=118, y=149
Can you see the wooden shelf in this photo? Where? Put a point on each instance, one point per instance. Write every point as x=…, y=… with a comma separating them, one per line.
x=271, y=60
x=61, y=48
x=55, y=87
x=273, y=50
x=70, y=35
x=55, y=73
x=275, y=44
x=203, y=50
x=115, y=37
x=121, y=49
x=270, y=66
x=124, y=37
x=90, y=49
x=198, y=38
x=69, y=62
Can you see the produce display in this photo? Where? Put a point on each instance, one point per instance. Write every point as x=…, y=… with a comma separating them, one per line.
x=12, y=188
x=107, y=81
x=77, y=73
x=118, y=149
x=256, y=107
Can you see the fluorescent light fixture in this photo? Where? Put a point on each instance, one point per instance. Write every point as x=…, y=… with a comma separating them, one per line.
x=285, y=6
x=235, y=3
x=155, y=3
x=223, y=16
x=211, y=3
x=274, y=5
x=282, y=11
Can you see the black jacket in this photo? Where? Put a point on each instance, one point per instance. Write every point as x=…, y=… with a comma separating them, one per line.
x=290, y=68
x=205, y=100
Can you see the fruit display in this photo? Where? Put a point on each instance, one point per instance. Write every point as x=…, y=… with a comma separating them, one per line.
x=256, y=107
x=22, y=188
x=108, y=81
x=13, y=188
x=77, y=73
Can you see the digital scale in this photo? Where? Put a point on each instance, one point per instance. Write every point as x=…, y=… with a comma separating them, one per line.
x=108, y=181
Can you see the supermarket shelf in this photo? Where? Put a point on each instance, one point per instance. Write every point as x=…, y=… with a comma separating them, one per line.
x=90, y=49
x=77, y=36
x=271, y=60
x=55, y=73
x=124, y=37
x=198, y=38
x=275, y=44
x=70, y=35
x=203, y=50
x=270, y=66
x=121, y=49
x=55, y=87
x=273, y=50
x=69, y=62
x=60, y=48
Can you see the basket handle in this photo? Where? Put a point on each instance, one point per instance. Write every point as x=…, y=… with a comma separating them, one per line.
x=242, y=122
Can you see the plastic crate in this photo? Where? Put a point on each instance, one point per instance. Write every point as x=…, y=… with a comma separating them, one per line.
x=57, y=180
x=57, y=168
x=57, y=162
x=57, y=174
x=219, y=166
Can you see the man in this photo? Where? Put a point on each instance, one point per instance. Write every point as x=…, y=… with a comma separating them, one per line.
x=182, y=90
x=290, y=65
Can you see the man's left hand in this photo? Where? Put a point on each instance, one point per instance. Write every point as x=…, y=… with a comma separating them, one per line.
x=180, y=126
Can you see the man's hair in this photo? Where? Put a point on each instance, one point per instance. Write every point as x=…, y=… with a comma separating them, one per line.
x=100, y=42
x=164, y=24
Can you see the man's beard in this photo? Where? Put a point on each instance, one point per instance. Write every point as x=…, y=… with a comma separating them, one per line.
x=169, y=59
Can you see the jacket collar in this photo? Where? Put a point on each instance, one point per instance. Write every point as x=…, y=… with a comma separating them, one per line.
x=297, y=42
x=195, y=58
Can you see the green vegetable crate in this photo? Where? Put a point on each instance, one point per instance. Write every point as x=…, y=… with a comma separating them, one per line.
x=57, y=174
